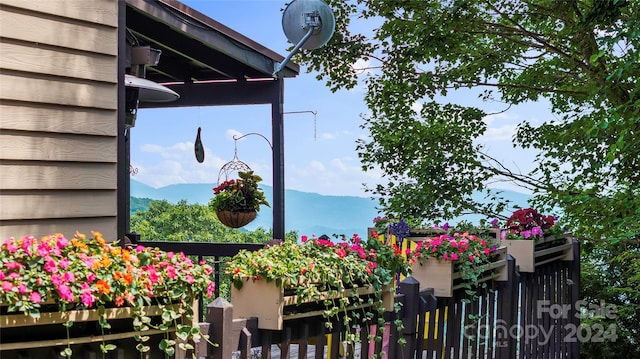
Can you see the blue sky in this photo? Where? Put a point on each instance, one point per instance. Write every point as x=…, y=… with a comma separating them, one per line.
x=319, y=157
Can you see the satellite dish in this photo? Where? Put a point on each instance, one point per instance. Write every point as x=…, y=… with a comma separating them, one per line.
x=302, y=15
x=307, y=23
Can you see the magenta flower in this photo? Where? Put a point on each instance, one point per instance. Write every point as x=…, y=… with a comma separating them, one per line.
x=13, y=265
x=86, y=297
x=51, y=266
x=7, y=286
x=44, y=250
x=91, y=278
x=11, y=245
x=69, y=277
x=65, y=293
x=35, y=297
x=171, y=272
x=210, y=289
x=63, y=263
x=454, y=256
x=61, y=242
x=56, y=279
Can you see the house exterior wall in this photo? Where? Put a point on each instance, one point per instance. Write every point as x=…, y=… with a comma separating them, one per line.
x=58, y=117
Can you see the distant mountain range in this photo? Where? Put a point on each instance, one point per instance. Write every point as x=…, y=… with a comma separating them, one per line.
x=307, y=213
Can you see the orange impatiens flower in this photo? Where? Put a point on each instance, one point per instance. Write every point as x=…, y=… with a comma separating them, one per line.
x=126, y=255
x=128, y=278
x=103, y=287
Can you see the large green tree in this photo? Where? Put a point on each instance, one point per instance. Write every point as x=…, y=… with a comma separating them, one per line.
x=580, y=56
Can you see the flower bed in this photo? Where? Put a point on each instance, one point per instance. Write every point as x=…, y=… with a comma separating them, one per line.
x=86, y=280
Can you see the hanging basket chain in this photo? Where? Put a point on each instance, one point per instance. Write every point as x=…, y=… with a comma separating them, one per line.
x=233, y=166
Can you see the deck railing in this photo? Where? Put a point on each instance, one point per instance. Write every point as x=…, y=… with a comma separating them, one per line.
x=527, y=316
x=530, y=315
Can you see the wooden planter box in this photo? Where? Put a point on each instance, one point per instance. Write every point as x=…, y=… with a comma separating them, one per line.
x=529, y=254
x=442, y=276
x=267, y=302
x=20, y=331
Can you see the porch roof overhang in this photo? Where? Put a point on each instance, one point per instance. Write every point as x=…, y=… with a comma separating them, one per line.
x=205, y=62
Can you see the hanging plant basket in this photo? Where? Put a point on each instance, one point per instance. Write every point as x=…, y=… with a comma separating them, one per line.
x=236, y=219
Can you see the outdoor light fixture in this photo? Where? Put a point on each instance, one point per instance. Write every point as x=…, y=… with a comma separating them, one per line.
x=143, y=90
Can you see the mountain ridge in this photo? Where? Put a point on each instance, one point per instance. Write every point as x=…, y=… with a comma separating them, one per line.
x=306, y=212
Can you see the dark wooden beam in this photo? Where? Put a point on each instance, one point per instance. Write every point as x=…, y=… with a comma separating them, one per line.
x=220, y=94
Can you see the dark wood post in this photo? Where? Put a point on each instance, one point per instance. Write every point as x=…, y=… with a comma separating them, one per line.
x=508, y=311
x=575, y=296
x=411, y=290
x=220, y=319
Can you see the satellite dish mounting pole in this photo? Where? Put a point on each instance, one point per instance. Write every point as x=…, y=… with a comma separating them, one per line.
x=277, y=72
x=309, y=24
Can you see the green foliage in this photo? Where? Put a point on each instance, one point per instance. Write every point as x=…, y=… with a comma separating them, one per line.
x=611, y=275
x=184, y=222
x=582, y=57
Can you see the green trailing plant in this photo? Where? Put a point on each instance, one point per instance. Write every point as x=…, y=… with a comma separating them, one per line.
x=320, y=265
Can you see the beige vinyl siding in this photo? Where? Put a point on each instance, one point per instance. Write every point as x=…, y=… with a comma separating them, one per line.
x=58, y=117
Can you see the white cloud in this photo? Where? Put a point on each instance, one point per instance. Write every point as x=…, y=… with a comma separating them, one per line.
x=175, y=151
x=230, y=133
x=327, y=136
x=499, y=133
